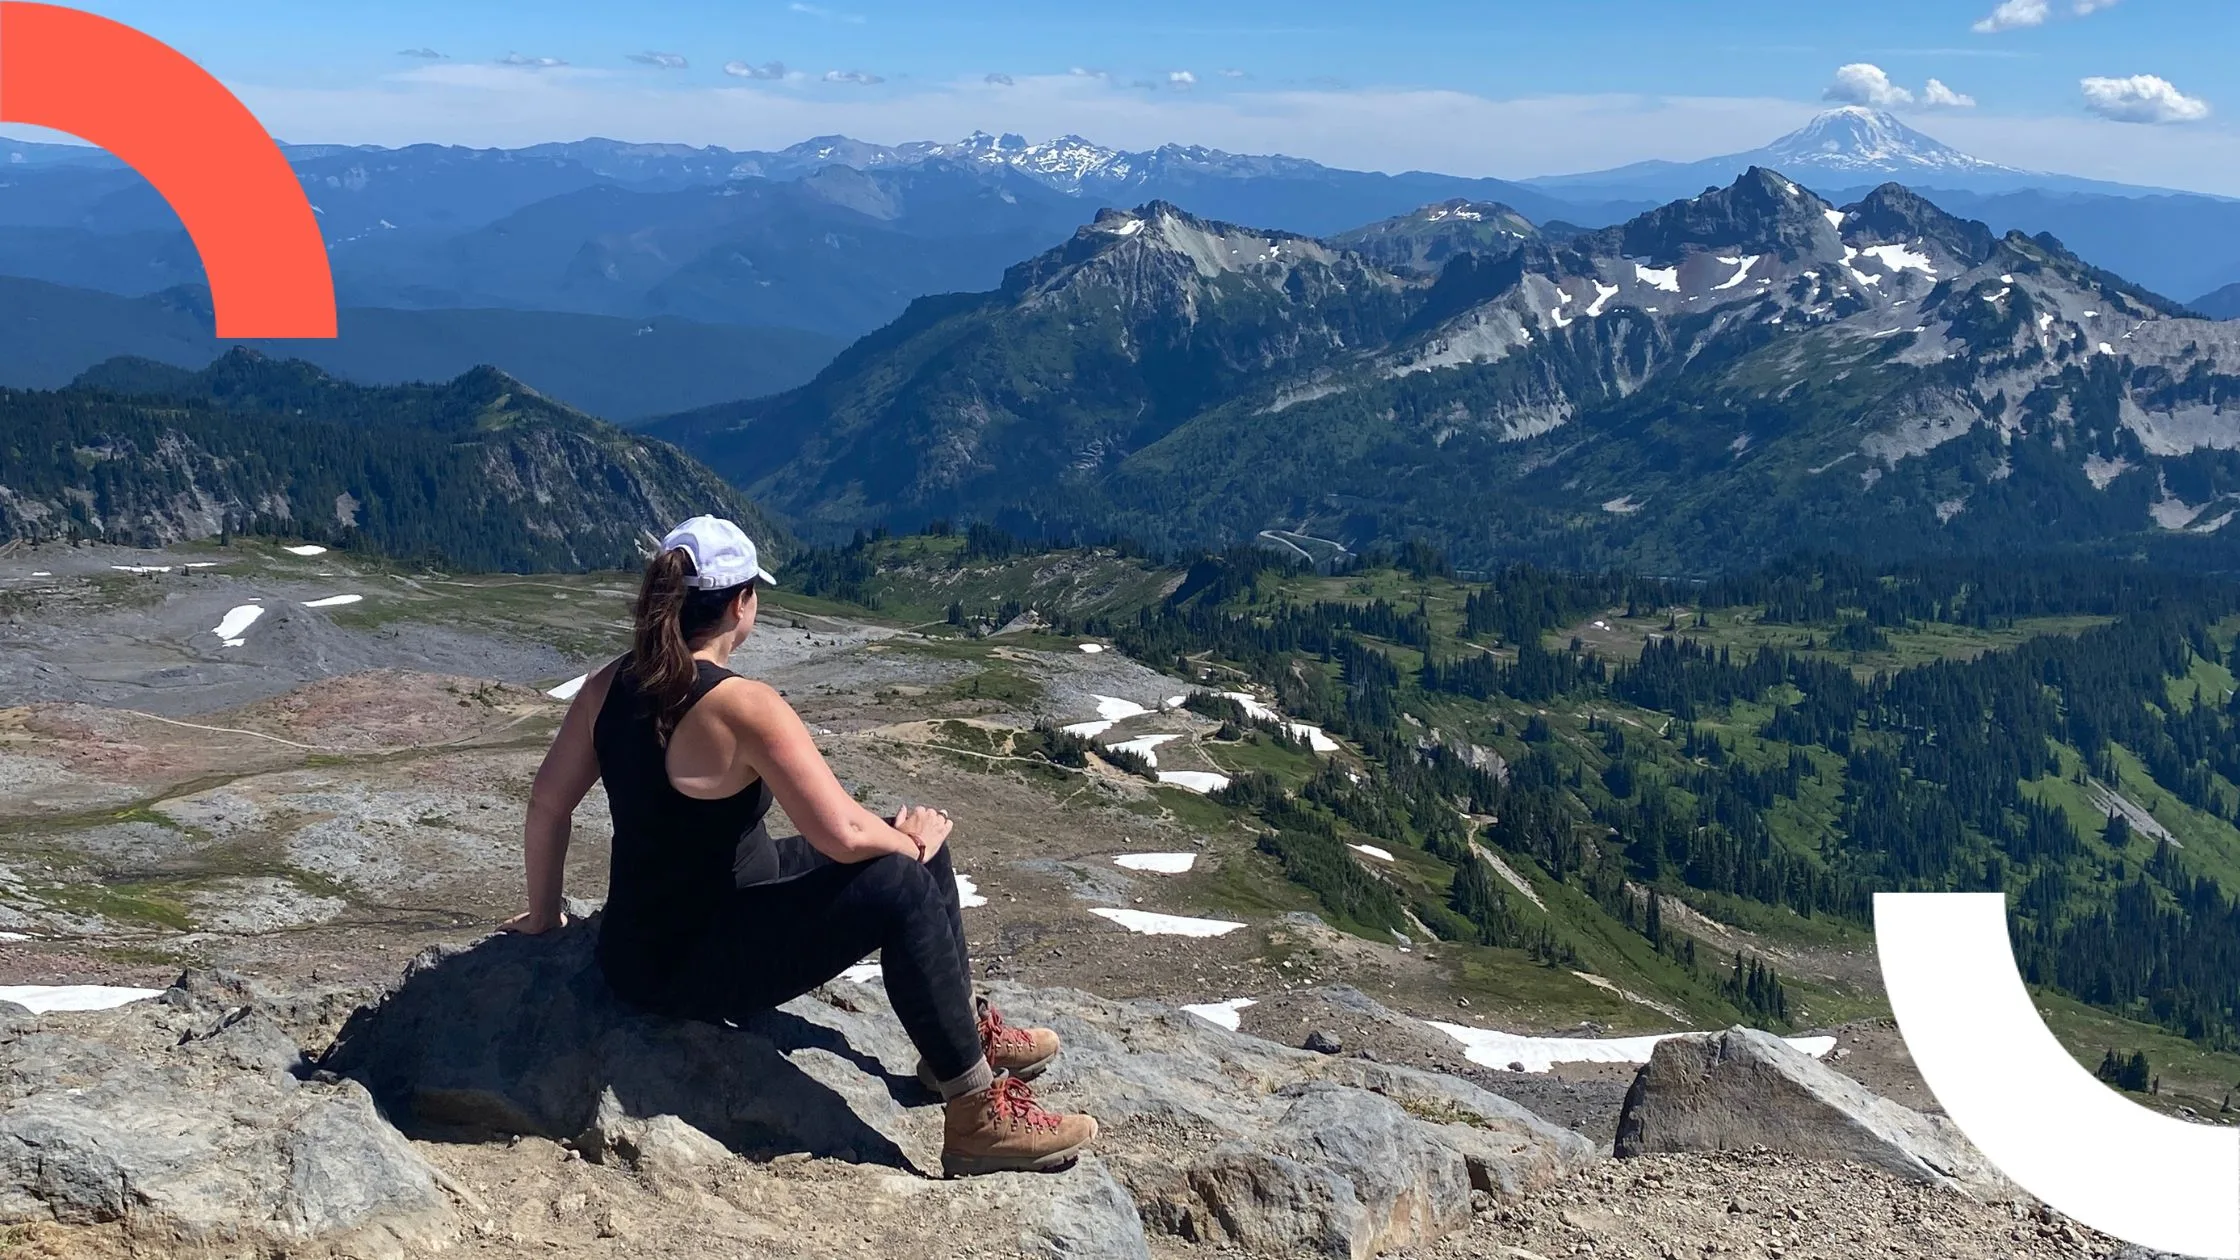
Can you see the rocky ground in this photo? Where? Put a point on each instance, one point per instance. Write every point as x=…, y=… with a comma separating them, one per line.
x=342, y=789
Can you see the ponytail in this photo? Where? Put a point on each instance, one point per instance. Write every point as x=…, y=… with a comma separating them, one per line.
x=672, y=618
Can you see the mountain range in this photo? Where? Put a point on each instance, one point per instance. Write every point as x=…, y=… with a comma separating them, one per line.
x=836, y=235
x=480, y=471
x=1712, y=383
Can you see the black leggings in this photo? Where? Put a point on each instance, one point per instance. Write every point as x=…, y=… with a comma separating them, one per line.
x=775, y=941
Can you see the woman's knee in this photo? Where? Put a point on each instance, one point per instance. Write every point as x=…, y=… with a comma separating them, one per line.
x=899, y=880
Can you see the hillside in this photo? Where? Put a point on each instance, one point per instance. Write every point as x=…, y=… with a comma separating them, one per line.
x=1642, y=780
x=1881, y=377
x=480, y=471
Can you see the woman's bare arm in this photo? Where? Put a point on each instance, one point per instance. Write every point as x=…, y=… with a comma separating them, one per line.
x=570, y=767
x=774, y=740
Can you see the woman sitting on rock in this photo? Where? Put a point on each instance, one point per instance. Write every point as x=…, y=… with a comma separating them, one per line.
x=710, y=917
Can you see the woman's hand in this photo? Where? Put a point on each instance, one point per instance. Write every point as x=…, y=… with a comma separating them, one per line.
x=929, y=827
x=530, y=923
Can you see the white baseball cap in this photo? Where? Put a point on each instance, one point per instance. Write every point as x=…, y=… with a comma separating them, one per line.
x=722, y=554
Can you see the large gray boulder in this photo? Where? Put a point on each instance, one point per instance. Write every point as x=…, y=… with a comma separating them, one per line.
x=1742, y=1088
x=188, y=1122
x=1209, y=1135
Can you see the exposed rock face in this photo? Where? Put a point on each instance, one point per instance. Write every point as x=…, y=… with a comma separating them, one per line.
x=1743, y=1088
x=186, y=1121
x=1209, y=1135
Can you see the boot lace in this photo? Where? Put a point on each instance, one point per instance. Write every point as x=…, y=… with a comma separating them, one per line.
x=995, y=1034
x=1013, y=1103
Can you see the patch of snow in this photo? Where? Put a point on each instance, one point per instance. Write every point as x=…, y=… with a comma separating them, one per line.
x=2045, y=320
x=1222, y=1013
x=568, y=689
x=1488, y=1048
x=1199, y=781
x=307, y=549
x=1157, y=863
x=141, y=568
x=41, y=573
x=1742, y=266
x=1621, y=506
x=2006, y=279
x=200, y=564
x=1129, y=228
x=42, y=998
x=1316, y=740
x=1092, y=648
x=238, y=620
x=332, y=601
x=2092, y=314
x=1144, y=747
x=1602, y=294
x=1253, y=709
x=1174, y=702
x=1666, y=278
x=1901, y=258
x=13, y=936
x=2172, y=513
x=1370, y=850
x=1114, y=709
x=968, y=893
x=1087, y=730
x=1835, y=218
x=863, y=973
x=2105, y=348
x=1145, y=923
x=2100, y=471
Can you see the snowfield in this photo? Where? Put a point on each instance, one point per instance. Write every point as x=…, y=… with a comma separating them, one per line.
x=42, y=998
x=1157, y=863
x=1222, y=1013
x=1146, y=923
x=1488, y=1048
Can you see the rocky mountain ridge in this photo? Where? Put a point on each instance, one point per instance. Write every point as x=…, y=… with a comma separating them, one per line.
x=1158, y=357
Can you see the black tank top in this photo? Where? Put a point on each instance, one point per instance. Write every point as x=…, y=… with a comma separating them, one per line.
x=675, y=857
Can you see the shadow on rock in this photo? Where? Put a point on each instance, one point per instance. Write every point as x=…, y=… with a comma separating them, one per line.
x=521, y=1035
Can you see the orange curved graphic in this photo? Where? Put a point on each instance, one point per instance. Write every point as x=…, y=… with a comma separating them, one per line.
x=185, y=133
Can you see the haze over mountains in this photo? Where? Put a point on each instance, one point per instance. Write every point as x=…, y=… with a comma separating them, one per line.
x=835, y=237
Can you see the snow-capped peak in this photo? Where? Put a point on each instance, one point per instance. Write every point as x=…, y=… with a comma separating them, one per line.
x=1855, y=138
x=1066, y=162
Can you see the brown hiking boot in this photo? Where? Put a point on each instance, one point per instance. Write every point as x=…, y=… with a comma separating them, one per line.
x=1022, y=1052
x=1003, y=1129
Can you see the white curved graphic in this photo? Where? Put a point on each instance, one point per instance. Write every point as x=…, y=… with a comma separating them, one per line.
x=2033, y=1111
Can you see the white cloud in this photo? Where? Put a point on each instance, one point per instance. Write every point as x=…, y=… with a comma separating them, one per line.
x=660, y=60
x=851, y=76
x=2086, y=8
x=819, y=11
x=1233, y=73
x=2013, y=15
x=748, y=70
x=1863, y=84
x=1000, y=80
x=1181, y=78
x=1937, y=96
x=2142, y=98
x=532, y=63
x=425, y=54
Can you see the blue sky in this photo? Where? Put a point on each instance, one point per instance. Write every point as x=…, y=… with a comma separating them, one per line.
x=1497, y=88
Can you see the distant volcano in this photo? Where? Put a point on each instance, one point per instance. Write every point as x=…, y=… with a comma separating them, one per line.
x=1842, y=150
